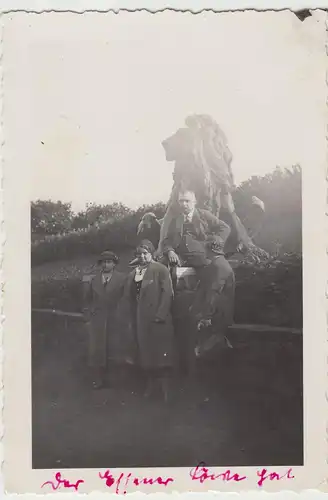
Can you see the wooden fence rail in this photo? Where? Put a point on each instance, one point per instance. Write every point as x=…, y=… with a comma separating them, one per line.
x=234, y=327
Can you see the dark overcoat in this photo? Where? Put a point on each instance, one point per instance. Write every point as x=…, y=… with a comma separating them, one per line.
x=148, y=343
x=101, y=314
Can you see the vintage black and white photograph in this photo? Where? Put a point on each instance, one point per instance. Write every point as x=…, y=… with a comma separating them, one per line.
x=168, y=160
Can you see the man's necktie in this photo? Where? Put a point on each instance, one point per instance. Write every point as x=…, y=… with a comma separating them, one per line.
x=106, y=280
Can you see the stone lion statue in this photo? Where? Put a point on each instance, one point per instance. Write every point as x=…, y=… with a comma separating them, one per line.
x=203, y=164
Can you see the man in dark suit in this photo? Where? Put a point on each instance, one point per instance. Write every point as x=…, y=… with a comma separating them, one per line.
x=196, y=238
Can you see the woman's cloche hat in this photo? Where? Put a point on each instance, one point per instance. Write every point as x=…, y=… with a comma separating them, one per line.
x=108, y=255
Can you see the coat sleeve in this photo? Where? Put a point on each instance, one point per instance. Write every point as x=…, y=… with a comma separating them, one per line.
x=87, y=296
x=121, y=286
x=219, y=230
x=168, y=240
x=123, y=307
x=166, y=291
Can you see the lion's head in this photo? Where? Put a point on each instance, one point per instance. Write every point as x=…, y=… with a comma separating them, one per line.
x=202, y=146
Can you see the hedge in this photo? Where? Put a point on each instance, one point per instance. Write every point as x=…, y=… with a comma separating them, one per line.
x=266, y=293
x=270, y=293
x=117, y=234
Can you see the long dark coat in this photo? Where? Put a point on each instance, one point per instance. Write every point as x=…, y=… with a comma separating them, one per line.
x=149, y=344
x=101, y=304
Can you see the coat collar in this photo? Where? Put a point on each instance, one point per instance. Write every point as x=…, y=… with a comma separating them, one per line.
x=98, y=284
x=196, y=220
x=190, y=215
x=147, y=274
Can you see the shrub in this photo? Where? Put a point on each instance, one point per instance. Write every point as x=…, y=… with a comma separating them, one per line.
x=266, y=293
x=99, y=227
x=50, y=217
x=281, y=192
x=65, y=295
x=118, y=233
x=270, y=292
x=95, y=214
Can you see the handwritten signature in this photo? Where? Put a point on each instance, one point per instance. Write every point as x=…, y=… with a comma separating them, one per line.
x=124, y=480
x=59, y=481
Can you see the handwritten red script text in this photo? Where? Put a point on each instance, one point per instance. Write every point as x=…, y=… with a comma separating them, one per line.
x=60, y=482
x=264, y=475
x=201, y=473
x=122, y=481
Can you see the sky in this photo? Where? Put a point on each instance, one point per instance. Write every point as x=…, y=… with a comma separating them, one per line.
x=103, y=91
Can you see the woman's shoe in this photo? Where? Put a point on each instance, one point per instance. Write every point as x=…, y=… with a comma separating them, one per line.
x=149, y=388
x=99, y=379
x=165, y=389
x=98, y=384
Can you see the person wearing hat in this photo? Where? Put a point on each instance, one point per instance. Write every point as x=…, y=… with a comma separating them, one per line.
x=146, y=319
x=101, y=295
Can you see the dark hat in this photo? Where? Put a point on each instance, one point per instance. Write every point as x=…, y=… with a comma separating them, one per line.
x=147, y=245
x=108, y=255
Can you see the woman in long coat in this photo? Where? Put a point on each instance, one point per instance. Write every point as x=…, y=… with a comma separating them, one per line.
x=102, y=293
x=147, y=322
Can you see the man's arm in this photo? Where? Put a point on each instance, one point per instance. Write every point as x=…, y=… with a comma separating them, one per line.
x=166, y=294
x=165, y=227
x=168, y=248
x=219, y=229
x=167, y=245
x=168, y=239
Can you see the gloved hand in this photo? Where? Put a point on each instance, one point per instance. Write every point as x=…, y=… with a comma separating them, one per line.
x=204, y=323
